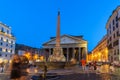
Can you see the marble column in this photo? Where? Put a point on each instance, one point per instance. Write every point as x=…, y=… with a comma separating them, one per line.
x=49, y=51
x=79, y=52
x=67, y=54
x=84, y=52
x=73, y=54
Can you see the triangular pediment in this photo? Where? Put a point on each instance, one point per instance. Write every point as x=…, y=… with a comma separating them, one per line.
x=65, y=39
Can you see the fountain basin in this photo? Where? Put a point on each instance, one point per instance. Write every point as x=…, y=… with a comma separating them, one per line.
x=70, y=64
x=51, y=65
x=49, y=76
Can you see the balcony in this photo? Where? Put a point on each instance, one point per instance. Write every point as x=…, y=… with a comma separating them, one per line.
x=8, y=35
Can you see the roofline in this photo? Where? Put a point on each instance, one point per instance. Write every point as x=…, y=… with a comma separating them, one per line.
x=5, y=25
x=114, y=11
x=103, y=38
x=62, y=36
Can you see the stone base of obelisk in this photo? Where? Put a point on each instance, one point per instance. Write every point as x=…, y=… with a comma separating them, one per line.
x=57, y=55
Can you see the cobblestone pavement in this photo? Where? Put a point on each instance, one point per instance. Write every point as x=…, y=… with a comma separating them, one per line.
x=76, y=76
x=73, y=74
x=5, y=76
x=86, y=76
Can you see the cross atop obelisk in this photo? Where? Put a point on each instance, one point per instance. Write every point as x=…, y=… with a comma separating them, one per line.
x=58, y=31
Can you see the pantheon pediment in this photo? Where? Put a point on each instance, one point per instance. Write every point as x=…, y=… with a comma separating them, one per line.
x=66, y=39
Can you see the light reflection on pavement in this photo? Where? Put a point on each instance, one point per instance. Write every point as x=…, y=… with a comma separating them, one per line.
x=78, y=74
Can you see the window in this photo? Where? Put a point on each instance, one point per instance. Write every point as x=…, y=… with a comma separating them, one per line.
x=108, y=41
x=110, y=46
x=117, y=33
x=115, y=43
x=0, y=49
x=7, y=31
x=2, y=30
x=7, y=40
x=114, y=35
x=12, y=42
x=1, y=43
x=6, y=45
x=116, y=25
x=6, y=55
x=113, y=22
x=108, y=31
x=6, y=50
x=110, y=38
x=111, y=58
x=114, y=52
x=2, y=38
x=11, y=51
x=116, y=18
x=109, y=26
x=113, y=28
x=11, y=46
x=117, y=51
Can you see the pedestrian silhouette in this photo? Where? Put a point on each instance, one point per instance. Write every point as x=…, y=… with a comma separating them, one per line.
x=15, y=68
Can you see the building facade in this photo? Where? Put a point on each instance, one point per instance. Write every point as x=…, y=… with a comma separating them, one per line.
x=74, y=47
x=100, y=52
x=89, y=57
x=30, y=52
x=21, y=49
x=7, y=42
x=113, y=33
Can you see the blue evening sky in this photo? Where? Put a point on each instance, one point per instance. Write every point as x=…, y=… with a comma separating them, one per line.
x=33, y=22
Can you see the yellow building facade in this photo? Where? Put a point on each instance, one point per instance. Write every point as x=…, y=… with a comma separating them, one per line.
x=100, y=52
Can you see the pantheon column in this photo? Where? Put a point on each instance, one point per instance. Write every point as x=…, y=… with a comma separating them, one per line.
x=79, y=52
x=73, y=53
x=67, y=54
x=49, y=51
x=84, y=53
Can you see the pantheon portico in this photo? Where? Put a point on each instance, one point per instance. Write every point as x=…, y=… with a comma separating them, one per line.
x=73, y=47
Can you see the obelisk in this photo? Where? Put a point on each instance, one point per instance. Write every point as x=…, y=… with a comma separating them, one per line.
x=58, y=31
x=57, y=51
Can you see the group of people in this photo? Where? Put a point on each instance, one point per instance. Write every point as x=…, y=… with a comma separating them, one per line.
x=18, y=68
x=97, y=67
x=91, y=65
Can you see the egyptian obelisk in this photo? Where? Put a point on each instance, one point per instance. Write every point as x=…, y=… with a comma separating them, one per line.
x=58, y=31
x=57, y=51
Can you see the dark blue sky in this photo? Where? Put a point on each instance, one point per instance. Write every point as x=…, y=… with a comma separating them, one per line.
x=33, y=22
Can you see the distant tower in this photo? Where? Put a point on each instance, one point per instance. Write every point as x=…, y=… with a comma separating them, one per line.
x=58, y=31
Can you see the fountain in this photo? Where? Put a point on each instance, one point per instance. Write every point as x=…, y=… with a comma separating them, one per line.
x=55, y=61
x=57, y=55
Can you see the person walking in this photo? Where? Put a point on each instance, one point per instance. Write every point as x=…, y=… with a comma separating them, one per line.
x=83, y=62
x=24, y=67
x=95, y=65
x=15, y=73
x=90, y=66
x=45, y=71
x=0, y=68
